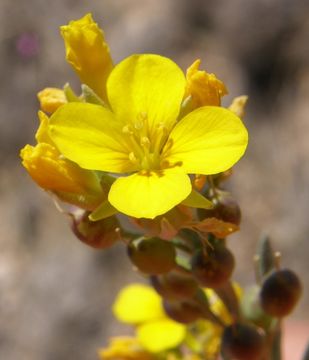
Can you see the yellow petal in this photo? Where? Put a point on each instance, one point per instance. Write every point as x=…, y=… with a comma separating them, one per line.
x=89, y=135
x=52, y=172
x=88, y=53
x=160, y=335
x=42, y=135
x=146, y=86
x=137, y=303
x=51, y=98
x=124, y=348
x=203, y=88
x=149, y=194
x=207, y=141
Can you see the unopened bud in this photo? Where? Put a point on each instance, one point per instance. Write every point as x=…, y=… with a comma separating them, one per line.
x=243, y=342
x=214, y=267
x=97, y=234
x=152, y=255
x=174, y=285
x=225, y=209
x=280, y=292
x=184, y=311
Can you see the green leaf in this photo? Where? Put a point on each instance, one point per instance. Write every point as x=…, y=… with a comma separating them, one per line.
x=197, y=200
x=90, y=96
x=103, y=211
x=266, y=256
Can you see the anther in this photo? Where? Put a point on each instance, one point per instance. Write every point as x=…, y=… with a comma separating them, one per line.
x=133, y=158
x=145, y=142
x=127, y=130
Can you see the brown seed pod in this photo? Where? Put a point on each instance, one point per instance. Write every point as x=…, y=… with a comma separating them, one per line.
x=152, y=255
x=280, y=292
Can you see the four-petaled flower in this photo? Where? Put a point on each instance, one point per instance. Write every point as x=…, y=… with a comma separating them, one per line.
x=140, y=136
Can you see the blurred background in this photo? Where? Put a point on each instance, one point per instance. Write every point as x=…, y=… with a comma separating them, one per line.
x=56, y=293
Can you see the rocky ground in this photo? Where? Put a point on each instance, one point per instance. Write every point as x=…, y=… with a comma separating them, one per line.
x=55, y=293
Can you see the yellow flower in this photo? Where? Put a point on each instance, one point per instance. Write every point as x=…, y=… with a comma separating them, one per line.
x=203, y=88
x=51, y=171
x=51, y=98
x=140, y=138
x=124, y=348
x=88, y=53
x=140, y=305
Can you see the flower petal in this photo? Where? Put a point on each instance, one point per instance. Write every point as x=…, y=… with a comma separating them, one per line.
x=149, y=194
x=137, y=303
x=89, y=135
x=146, y=85
x=52, y=172
x=160, y=335
x=88, y=53
x=207, y=141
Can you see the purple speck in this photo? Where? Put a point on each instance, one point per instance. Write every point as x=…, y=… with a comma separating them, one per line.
x=27, y=45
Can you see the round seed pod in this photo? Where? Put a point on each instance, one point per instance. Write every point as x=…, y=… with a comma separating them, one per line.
x=99, y=234
x=214, y=268
x=243, y=342
x=280, y=293
x=225, y=209
x=184, y=311
x=152, y=255
x=173, y=285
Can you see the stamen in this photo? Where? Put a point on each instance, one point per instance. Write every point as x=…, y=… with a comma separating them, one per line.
x=145, y=142
x=133, y=158
x=127, y=129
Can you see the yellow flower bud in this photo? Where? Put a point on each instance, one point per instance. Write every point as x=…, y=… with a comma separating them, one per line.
x=88, y=53
x=203, y=88
x=51, y=99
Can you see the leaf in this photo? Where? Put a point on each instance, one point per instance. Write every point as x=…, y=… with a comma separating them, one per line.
x=215, y=226
x=265, y=255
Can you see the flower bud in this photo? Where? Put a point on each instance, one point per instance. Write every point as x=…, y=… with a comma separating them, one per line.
x=280, y=292
x=184, y=311
x=214, y=267
x=97, y=234
x=243, y=342
x=174, y=285
x=225, y=209
x=152, y=255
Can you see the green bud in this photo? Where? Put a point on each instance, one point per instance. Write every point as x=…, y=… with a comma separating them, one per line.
x=243, y=342
x=152, y=255
x=214, y=267
x=280, y=292
x=99, y=234
x=184, y=311
x=225, y=209
x=173, y=285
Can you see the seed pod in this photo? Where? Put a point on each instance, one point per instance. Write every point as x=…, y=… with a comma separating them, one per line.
x=152, y=255
x=99, y=234
x=243, y=342
x=214, y=268
x=173, y=285
x=184, y=311
x=225, y=209
x=280, y=292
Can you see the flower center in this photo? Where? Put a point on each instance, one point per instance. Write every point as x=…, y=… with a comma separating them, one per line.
x=145, y=142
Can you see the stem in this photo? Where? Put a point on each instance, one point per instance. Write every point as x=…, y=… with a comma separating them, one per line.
x=228, y=296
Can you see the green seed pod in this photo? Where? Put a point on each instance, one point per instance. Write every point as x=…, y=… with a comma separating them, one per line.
x=280, y=292
x=214, y=268
x=243, y=342
x=173, y=285
x=184, y=311
x=225, y=209
x=152, y=255
x=99, y=234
